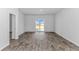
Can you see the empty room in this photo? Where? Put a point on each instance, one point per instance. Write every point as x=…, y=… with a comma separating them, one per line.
x=39, y=29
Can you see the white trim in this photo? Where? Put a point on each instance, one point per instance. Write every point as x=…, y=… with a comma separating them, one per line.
x=4, y=46
x=68, y=39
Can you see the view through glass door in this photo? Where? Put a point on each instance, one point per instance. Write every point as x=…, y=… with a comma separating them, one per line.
x=40, y=25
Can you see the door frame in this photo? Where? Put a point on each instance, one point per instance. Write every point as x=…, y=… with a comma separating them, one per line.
x=12, y=20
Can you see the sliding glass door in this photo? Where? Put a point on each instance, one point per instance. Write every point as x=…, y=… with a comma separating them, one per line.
x=40, y=25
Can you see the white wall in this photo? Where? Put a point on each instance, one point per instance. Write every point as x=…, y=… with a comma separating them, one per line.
x=67, y=24
x=30, y=22
x=4, y=27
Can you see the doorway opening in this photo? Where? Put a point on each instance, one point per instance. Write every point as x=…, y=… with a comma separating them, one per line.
x=40, y=25
x=12, y=25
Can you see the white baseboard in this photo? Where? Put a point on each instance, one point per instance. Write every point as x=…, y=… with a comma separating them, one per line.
x=68, y=39
x=5, y=45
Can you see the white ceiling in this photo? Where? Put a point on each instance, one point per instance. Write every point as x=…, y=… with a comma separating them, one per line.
x=40, y=10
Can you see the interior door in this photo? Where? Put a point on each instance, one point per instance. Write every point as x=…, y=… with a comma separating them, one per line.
x=12, y=26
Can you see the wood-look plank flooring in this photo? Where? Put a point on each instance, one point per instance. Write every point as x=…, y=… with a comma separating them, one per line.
x=41, y=41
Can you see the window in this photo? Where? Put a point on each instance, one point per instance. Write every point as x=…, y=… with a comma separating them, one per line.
x=39, y=25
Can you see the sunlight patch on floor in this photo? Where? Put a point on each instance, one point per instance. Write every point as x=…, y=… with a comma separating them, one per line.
x=40, y=35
